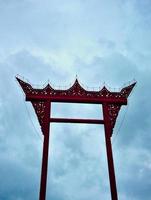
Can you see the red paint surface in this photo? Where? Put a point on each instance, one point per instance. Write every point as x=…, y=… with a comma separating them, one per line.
x=111, y=101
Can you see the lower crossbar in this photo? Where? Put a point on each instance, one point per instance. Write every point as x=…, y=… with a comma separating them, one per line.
x=68, y=120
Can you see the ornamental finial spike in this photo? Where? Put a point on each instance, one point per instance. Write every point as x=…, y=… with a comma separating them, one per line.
x=25, y=86
x=127, y=90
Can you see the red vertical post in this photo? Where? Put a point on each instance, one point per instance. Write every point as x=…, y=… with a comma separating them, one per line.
x=108, y=131
x=43, y=184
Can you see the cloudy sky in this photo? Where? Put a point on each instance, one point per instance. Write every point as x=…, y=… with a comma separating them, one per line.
x=100, y=41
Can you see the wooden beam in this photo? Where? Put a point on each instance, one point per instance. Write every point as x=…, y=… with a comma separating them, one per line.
x=74, y=99
x=86, y=121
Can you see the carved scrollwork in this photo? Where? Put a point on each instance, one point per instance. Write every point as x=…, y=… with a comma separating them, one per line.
x=39, y=107
x=113, y=111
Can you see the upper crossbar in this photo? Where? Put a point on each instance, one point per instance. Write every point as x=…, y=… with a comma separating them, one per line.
x=111, y=100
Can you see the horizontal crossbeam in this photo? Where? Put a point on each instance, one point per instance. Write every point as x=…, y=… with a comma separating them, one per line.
x=101, y=100
x=86, y=121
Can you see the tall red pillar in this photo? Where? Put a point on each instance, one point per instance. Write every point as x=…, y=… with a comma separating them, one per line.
x=44, y=169
x=108, y=133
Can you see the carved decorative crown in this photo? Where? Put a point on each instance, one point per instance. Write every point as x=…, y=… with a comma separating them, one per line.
x=76, y=93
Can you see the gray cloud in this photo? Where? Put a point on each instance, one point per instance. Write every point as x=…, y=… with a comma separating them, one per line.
x=99, y=41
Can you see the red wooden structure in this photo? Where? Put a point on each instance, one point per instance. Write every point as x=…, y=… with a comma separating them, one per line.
x=111, y=102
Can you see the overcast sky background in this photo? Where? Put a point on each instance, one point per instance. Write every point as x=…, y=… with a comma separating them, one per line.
x=100, y=41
